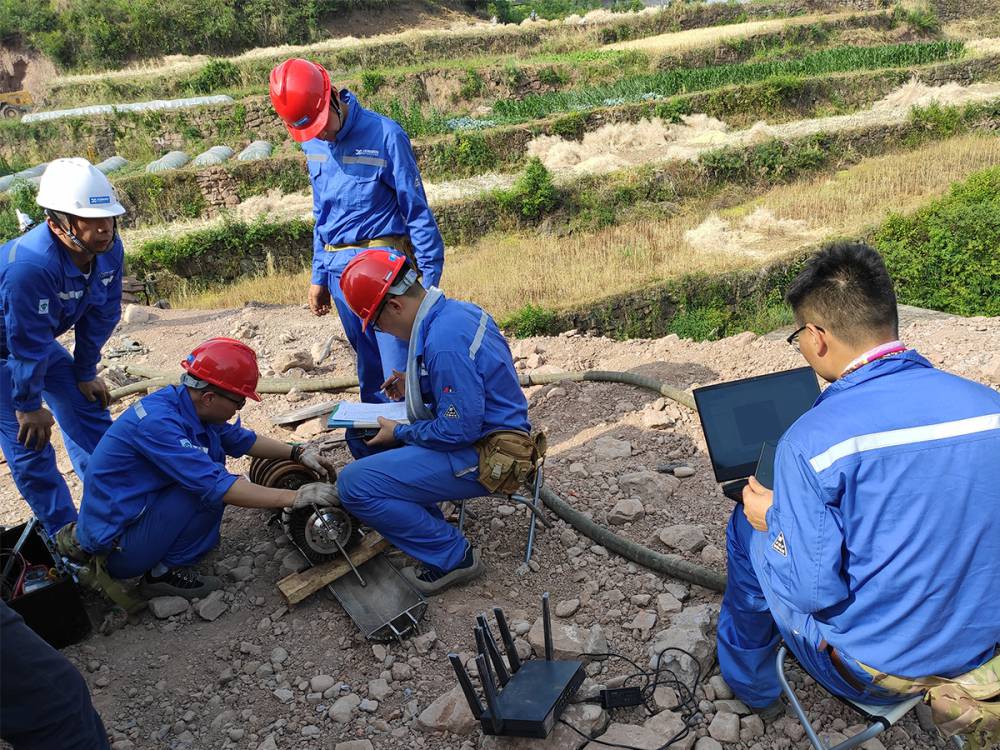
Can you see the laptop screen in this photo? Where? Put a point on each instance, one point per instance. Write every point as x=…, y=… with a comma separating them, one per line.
x=738, y=417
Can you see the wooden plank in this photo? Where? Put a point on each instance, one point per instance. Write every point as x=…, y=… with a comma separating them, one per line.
x=298, y=586
x=306, y=412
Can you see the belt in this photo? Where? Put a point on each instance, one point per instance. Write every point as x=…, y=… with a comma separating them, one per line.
x=395, y=241
x=843, y=670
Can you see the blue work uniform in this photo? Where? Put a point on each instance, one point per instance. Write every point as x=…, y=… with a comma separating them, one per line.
x=154, y=488
x=44, y=700
x=883, y=540
x=366, y=185
x=42, y=295
x=467, y=379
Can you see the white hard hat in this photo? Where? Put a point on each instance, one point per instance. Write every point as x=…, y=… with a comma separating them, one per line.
x=75, y=186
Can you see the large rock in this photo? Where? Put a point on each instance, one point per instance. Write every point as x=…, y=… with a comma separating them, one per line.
x=628, y=735
x=450, y=712
x=608, y=448
x=569, y=641
x=667, y=724
x=343, y=708
x=683, y=537
x=649, y=486
x=285, y=361
x=163, y=607
x=657, y=420
x=725, y=728
x=588, y=718
x=211, y=607
x=354, y=745
x=626, y=510
x=136, y=314
x=692, y=630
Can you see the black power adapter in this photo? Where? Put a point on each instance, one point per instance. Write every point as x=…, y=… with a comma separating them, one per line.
x=621, y=697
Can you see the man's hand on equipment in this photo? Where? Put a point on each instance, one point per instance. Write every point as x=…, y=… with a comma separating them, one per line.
x=96, y=390
x=385, y=437
x=34, y=428
x=311, y=458
x=395, y=386
x=316, y=493
x=319, y=299
x=756, y=500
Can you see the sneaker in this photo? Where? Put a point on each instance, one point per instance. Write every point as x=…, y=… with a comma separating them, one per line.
x=178, y=582
x=430, y=581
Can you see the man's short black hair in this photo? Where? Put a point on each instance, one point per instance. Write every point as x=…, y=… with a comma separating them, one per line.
x=845, y=288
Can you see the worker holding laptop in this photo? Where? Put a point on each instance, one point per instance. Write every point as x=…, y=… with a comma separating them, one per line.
x=877, y=554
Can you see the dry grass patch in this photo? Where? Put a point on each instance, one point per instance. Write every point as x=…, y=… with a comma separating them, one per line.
x=505, y=272
x=710, y=36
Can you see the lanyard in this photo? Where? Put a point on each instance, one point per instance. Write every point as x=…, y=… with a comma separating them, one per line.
x=880, y=351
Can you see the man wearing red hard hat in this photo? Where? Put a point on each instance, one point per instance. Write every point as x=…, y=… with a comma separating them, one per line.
x=157, y=483
x=367, y=192
x=468, y=433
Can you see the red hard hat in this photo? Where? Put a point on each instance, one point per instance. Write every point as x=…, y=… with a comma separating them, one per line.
x=300, y=93
x=227, y=363
x=367, y=279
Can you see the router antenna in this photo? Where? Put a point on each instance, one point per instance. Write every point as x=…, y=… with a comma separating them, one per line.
x=463, y=679
x=508, y=641
x=547, y=626
x=490, y=691
x=494, y=653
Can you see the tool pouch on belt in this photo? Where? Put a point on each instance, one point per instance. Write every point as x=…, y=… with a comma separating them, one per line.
x=92, y=573
x=968, y=704
x=508, y=459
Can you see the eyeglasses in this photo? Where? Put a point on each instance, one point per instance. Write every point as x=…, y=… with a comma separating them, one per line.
x=378, y=314
x=240, y=402
x=793, y=339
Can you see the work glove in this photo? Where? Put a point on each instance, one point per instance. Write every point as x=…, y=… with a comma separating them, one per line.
x=317, y=493
x=324, y=466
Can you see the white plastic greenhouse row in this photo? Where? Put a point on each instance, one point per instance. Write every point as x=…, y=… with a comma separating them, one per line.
x=172, y=160
x=108, y=109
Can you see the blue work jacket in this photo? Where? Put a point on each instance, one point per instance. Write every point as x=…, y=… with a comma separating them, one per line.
x=886, y=518
x=467, y=378
x=156, y=444
x=42, y=295
x=366, y=184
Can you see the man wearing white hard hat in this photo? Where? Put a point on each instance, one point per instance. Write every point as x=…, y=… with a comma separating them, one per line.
x=65, y=273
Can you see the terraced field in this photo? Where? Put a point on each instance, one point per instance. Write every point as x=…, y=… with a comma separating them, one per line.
x=663, y=150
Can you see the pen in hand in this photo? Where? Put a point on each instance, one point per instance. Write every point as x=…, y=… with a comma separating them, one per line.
x=395, y=386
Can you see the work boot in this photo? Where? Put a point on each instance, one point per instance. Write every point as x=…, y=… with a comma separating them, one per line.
x=432, y=581
x=772, y=711
x=178, y=582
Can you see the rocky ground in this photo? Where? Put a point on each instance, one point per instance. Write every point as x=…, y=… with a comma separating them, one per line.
x=242, y=670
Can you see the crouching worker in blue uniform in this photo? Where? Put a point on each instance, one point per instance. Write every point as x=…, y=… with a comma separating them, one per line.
x=878, y=552
x=367, y=192
x=65, y=273
x=157, y=484
x=463, y=397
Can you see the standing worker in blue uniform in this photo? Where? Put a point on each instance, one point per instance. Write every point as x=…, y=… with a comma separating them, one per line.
x=65, y=273
x=879, y=548
x=468, y=433
x=367, y=192
x=157, y=484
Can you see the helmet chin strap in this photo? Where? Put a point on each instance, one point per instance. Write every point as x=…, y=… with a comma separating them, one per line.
x=67, y=227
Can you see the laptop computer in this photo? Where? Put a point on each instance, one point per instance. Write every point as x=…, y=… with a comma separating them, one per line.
x=740, y=416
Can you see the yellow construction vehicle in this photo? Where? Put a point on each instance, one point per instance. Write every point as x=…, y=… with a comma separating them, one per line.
x=15, y=103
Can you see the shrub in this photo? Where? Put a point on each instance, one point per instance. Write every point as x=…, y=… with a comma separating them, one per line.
x=944, y=256
x=937, y=120
x=371, y=82
x=472, y=84
x=20, y=195
x=215, y=75
x=571, y=126
x=533, y=194
x=529, y=321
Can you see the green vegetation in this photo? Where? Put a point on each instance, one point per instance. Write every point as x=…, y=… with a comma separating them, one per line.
x=529, y=321
x=507, y=12
x=671, y=82
x=944, y=256
x=21, y=196
x=533, y=194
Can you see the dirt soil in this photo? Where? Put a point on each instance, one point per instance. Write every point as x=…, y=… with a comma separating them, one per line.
x=262, y=676
x=396, y=17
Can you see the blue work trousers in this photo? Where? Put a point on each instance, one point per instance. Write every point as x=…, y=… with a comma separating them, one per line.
x=378, y=353
x=176, y=529
x=82, y=423
x=44, y=701
x=397, y=491
x=753, y=621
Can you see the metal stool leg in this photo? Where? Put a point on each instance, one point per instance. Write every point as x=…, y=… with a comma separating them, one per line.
x=461, y=517
x=796, y=706
x=535, y=500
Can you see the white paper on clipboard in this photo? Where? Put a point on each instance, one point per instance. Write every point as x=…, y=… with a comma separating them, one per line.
x=353, y=414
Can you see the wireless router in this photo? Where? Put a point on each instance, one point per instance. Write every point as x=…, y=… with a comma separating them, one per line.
x=530, y=695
